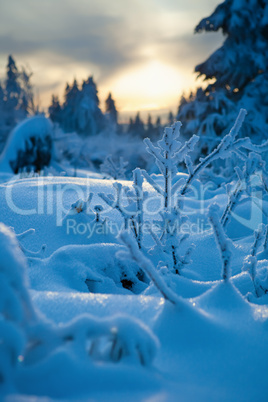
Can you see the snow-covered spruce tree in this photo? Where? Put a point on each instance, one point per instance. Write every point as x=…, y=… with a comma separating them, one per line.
x=236, y=73
x=90, y=119
x=55, y=111
x=16, y=98
x=69, y=107
x=2, y=117
x=136, y=126
x=110, y=110
x=80, y=111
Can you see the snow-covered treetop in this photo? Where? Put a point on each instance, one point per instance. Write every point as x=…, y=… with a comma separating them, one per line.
x=244, y=53
x=233, y=15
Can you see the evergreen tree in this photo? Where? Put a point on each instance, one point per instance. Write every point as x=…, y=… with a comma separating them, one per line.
x=89, y=116
x=2, y=116
x=158, y=126
x=236, y=73
x=12, y=92
x=16, y=98
x=110, y=110
x=69, y=107
x=55, y=111
x=171, y=119
x=138, y=126
x=130, y=129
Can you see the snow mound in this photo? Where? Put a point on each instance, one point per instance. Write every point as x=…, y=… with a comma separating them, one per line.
x=94, y=268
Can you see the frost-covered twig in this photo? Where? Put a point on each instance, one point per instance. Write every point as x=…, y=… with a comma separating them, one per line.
x=250, y=262
x=168, y=153
x=147, y=266
x=132, y=213
x=115, y=202
x=81, y=206
x=139, y=198
x=252, y=165
x=221, y=151
x=171, y=240
x=223, y=242
x=29, y=253
x=115, y=171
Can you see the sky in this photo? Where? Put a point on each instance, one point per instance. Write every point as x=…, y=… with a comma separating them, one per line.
x=143, y=51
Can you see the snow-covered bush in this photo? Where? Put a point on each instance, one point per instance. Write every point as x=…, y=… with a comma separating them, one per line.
x=30, y=146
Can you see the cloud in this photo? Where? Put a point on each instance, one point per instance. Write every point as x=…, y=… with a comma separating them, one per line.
x=189, y=50
x=101, y=40
x=102, y=37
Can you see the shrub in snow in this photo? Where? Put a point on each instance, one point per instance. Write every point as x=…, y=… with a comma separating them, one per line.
x=112, y=169
x=250, y=262
x=30, y=145
x=129, y=203
x=228, y=145
x=253, y=166
x=168, y=153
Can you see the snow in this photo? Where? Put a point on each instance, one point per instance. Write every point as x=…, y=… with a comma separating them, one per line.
x=214, y=347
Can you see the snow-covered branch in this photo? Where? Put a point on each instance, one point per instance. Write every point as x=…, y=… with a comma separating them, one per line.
x=223, y=242
x=147, y=266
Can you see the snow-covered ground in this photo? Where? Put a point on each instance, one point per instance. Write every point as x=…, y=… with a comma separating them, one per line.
x=91, y=308
x=212, y=347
